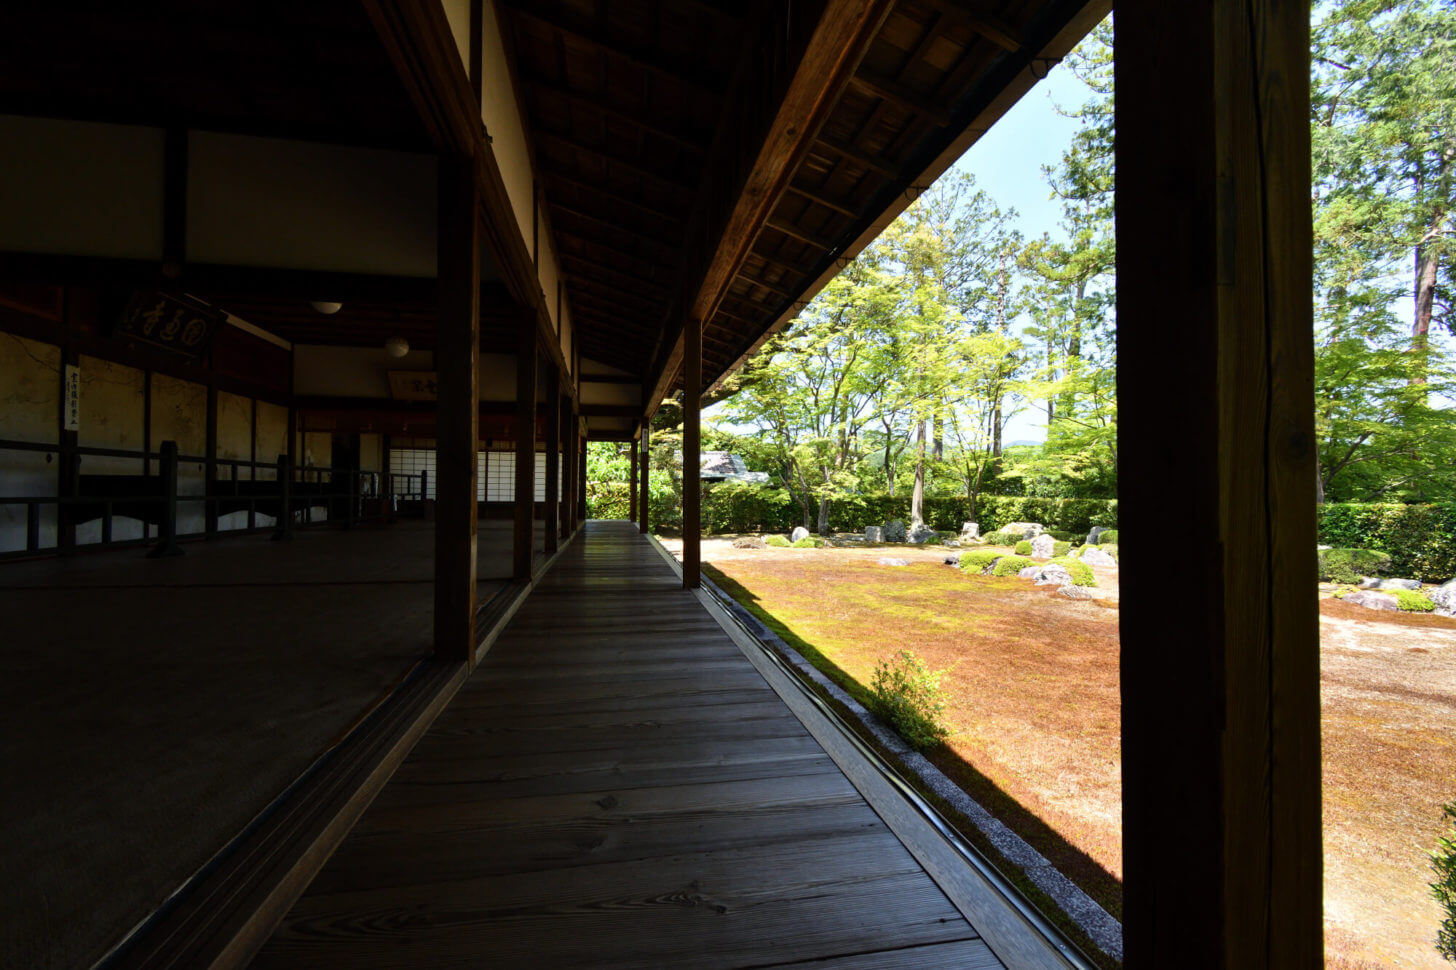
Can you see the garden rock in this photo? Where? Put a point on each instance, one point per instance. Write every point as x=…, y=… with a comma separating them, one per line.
x=799, y=533
x=1027, y=530
x=1044, y=546
x=970, y=530
x=1444, y=596
x=1372, y=600
x=894, y=531
x=874, y=533
x=1371, y=582
x=1094, y=535
x=1077, y=592
x=749, y=542
x=894, y=562
x=920, y=533
x=954, y=559
x=1030, y=572
x=951, y=542
x=1053, y=575
x=1096, y=557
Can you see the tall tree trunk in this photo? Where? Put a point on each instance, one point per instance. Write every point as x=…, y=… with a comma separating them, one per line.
x=938, y=447
x=917, y=497
x=1427, y=264
x=823, y=529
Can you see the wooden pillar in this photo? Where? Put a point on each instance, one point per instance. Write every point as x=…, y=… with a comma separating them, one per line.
x=553, y=457
x=568, y=467
x=525, y=491
x=581, y=482
x=642, y=498
x=209, y=479
x=457, y=410
x=692, y=451
x=632, y=483
x=1220, y=685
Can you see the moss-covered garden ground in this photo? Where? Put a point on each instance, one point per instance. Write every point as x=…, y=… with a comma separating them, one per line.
x=1032, y=680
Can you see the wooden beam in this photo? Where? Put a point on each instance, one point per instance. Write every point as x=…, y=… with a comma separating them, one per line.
x=628, y=164
x=875, y=163
x=553, y=458
x=616, y=197
x=602, y=107
x=457, y=411
x=610, y=379
x=524, y=535
x=683, y=74
x=692, y=444
x=748, y=277
x=819, y=199
x=670, y=250
x=891, y=90
x=632, y=483
x=643, y=497
x=1221, y=737
x=833, y=53
x=803, y=235
x=974, y=14
x=637, y=282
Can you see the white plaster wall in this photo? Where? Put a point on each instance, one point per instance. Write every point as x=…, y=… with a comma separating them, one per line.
x=273, y=202
x=179, y=413
x=111, y=417
x=30, y=401
x=81, y=188
x=351, y=371
x=457, y=12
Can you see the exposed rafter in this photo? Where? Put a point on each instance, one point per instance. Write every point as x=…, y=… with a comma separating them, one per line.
x=889, y=89
x=974, y=15
x=685, y=73
x=631, y=165
x=604, y=108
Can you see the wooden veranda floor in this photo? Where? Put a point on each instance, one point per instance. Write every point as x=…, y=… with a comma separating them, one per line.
x=618, y=786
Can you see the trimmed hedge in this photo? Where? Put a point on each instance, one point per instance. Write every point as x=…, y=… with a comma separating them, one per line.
x=746, y=507
x=1023, y=548
x=1108, y=536
x=1421, y=539
x=1061, y=548
x=778, y=542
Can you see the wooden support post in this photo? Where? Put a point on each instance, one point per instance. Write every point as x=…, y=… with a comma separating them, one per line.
x=1220, y=735
x=568, y=468
x=525, y=493
x=209, y=478
x=642, y=497
x=581, y=488
x=692, y=452
x=553, y=457
x=457, y=410
x=167, y=530
x=283, y=527
x=632, y=484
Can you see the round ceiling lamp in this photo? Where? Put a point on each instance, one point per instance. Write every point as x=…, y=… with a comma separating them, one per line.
x=327, y=309
x=396, y=346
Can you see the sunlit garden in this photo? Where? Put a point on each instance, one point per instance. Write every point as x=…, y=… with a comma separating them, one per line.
x=935, y=442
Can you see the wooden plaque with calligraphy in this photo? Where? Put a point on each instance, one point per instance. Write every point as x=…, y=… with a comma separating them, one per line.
x=412, y=385
x=171, y=323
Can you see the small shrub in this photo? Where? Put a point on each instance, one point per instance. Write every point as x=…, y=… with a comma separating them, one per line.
x=1061, y=548
x=1108, y=535
x=1443, y=861
x=1011, y=565
x=1082, y=573
x=1003, y=538
x=1412, y=601
x=907, y=694
x=1023, y=548
x=809, y=542
x=1062, y=536
x=977, y=560
x=1349, y=565
x=778, y=542
x=1110, y=548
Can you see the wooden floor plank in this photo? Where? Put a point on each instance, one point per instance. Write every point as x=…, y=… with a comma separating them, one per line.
x=617, y=786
